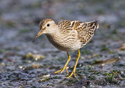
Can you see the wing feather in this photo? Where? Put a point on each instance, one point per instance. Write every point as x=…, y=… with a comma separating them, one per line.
x=85, y=30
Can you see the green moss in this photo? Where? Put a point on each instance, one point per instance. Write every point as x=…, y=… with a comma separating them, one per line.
x=82, y=11
x=61, y=59
x=50, y=84
x=71, y=81
x=96, y=72
x=111, y=52
x=86, y=52
x=104, y=48
x=111, y=77
x=2, y=51
x=33, y=57
x=32, y=87
x=22, y=87
x=24, y=30
x=45, y=79
x=115, y=31
x=98, y=55
x=29, y=68
x=122, y=23
x=98, y=1
x=95, y=61
x=92, y=78
x=36, y=4
x=115, y=38
x=57, y=77
x=10, y=23
x=100, y=11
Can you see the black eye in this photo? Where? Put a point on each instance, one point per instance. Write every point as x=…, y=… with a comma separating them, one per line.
x=48, y=25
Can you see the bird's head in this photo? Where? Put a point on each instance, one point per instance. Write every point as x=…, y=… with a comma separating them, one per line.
x=46, y=27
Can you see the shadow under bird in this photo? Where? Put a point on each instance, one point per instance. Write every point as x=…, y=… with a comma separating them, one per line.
x=68, y=36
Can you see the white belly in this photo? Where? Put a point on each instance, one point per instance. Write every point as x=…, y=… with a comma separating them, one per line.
x=66, y=44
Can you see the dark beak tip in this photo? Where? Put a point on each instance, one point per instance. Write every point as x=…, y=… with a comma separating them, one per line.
x=36, y=37
x=34, y=40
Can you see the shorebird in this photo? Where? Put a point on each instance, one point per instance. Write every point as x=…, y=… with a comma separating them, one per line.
x=68, y=36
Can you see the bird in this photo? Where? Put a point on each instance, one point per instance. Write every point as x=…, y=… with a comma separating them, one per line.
x=68, y=36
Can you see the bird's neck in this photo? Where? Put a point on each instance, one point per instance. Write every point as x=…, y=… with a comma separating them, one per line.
x=53, y=33
x=55, y=36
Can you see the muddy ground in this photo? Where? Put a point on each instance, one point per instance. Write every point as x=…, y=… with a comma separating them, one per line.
x=24, y=64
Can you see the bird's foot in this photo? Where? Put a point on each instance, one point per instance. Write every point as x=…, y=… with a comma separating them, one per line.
x=73, y=73
x=62, y=70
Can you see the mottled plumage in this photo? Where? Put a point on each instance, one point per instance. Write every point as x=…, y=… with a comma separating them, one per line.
x=85, y=30
x=68, y=36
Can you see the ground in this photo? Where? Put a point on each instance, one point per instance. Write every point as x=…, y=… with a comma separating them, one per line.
x=24, y=64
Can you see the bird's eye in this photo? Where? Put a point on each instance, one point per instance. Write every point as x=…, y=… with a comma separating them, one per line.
x=48, y=25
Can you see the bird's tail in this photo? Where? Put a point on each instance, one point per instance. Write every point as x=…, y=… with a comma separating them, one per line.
x=93, y=24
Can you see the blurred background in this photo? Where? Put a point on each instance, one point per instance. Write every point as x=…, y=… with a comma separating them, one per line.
x=23, y=61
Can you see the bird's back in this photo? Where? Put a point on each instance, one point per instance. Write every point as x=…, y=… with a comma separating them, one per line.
x=85, y=30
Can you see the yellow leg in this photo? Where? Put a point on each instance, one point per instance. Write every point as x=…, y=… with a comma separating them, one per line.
x=65, y=66
x=73, y=72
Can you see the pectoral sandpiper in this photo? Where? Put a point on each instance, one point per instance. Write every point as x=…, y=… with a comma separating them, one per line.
x=68, y=36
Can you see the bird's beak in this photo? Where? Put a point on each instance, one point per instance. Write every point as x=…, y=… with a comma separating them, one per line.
x=39, y=33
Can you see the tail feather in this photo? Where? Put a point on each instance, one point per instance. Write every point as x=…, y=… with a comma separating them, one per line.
x=96, y=23
x=93, y=24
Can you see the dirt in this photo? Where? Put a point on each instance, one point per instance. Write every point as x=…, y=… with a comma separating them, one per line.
x=27, y=64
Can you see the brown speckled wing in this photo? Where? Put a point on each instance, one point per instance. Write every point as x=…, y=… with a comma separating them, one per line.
x=85, y=29
x=66, y=25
